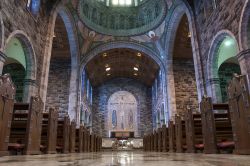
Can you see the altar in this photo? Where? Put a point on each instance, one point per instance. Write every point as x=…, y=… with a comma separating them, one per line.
x=122, y=134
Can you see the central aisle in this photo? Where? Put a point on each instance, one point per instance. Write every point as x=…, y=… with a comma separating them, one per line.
x=126, y=158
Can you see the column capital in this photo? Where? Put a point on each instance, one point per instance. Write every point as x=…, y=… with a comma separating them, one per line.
x=29, y=82
x=213, y=81
x=242, y=55
x=3, y=57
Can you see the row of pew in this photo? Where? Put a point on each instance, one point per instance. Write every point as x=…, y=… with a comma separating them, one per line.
x=217, y=128
x=26, y=129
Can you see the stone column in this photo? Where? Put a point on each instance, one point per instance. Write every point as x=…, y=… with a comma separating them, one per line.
x=29, y=89
x=214, y=90
x=244, y=61
x=2, y=61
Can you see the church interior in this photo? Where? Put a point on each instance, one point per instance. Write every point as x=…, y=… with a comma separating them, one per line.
x=125, y=82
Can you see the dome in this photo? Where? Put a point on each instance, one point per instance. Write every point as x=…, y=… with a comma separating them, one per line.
x=122, y=17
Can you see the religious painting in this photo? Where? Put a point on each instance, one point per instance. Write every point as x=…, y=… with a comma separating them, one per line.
x=122, y=112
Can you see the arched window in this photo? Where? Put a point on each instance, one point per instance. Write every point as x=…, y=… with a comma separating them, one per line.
x=33, y=6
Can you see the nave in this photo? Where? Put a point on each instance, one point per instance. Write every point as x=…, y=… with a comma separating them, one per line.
x=135, y=158
x=125, y=82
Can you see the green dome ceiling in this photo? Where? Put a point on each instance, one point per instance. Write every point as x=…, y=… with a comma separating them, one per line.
x=122, y=20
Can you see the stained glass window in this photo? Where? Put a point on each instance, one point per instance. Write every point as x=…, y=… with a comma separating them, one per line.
x=33, y=6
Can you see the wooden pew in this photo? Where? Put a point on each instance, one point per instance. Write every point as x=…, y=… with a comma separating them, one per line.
x=92, y=142
x=172, y=139
x=165, y=139
x=239, y=105
x=180, y=134
x=194, y=137
x=49, y=131
x=63, y=132
x=95, y=147
x=99, y=144
x=7, y=96
x=79, y=139
x=151, y=142
x=72, y=137
x=26, y=126
x=146, y=142
x=155, y=137
x=216, y=127
x=159, y=138
x=85, y=140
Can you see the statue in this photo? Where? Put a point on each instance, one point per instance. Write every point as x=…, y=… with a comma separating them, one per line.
x=130, y=119
x=114, y=119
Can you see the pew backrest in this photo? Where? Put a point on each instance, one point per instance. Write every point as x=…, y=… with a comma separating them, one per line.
x=7, y=96
x=239, y=106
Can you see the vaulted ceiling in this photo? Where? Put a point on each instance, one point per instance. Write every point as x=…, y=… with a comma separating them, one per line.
x=60, y=45
x=182, y=44
x=122, y=63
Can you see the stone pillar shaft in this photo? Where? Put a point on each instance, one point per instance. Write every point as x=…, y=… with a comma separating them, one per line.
x=244, y=61
x=214, y=90
x=3, y=58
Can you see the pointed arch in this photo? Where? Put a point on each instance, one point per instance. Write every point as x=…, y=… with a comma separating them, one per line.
x=212, y=77
x=64, y=13
x=180, y=9
x=1, y=32
x=30, y=87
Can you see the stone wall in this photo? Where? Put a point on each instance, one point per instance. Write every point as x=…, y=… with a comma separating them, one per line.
x=226, y=16
x=17, y=18
x=185, y=84
x=102, y=94
x=58, y=85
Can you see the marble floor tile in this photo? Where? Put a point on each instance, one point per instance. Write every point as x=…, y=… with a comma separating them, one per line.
x=126, y=159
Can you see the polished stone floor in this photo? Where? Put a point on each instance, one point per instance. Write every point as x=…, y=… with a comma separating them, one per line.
x=127, y=158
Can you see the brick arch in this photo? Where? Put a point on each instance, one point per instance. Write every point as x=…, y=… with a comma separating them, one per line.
x=61, y=10
x=1, y=32
x=212, y=74
x=181, y=8
x=31, y=63
x=244, y=40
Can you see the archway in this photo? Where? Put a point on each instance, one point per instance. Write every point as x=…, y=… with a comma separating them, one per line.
x=182, y=10
x=59, y=70
x=122, y=66
x=67, y=23
x=1, y=32
x=21, y=64
x=184, y=70
x=221, y=65
x=244, y=38
x=244, y=28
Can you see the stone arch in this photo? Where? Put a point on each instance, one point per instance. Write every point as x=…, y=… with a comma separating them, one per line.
x=244, y=40
x=131, y=45
x=212, y=78
x=180, y=9
x=1, y=32
x=30, y=85
x=61, y=10
x=122, y=44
